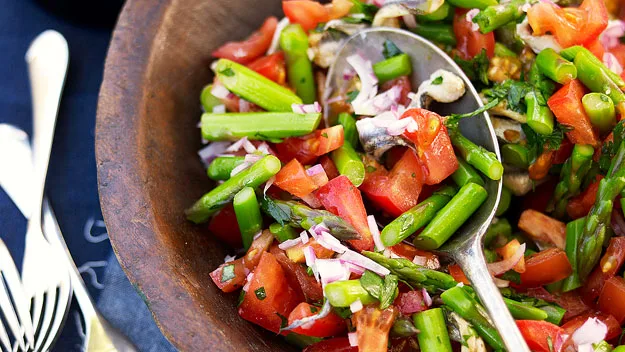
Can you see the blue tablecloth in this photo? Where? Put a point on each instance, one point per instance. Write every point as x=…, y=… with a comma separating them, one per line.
x=72, y=187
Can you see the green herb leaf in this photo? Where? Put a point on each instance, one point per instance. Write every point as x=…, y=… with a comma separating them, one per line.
x=310, y=271
x=372, y=283
x=271, y=208
x=513, y=92
x=284, y=322
x=351, y=95
x=452, y=121
x=390, y=50
x=241, y=298
x=476, y=68
x=228, y=72
x=438, y=80
x=227, y=273
x=370, y=169
x=260, y=293
x=361, y=12
x=324, y=135
x=513, y=276
x=389, y=291
x=536, y=143
x=344, y=313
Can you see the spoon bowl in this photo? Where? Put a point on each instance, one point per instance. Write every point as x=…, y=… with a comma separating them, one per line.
x=466, y=245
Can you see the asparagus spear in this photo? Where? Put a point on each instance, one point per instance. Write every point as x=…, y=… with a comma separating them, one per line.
x=349, y=163
x=449, y=219
x=516, y=155
x=436, y=32
x=294, y=43
x=495, y=16
x=598, y=219
x=574, y=230
x=539, y=116
x=600, y=109
x=480, y=158
x=218, y=197
x=350, y=132
x=504, y=201
x=299, y=215
x=343, y=293
x=433, y=335
x=598, y=80
x=248, y=215
x=470, y=4
x=221, y=168
x=414, y=274
x=468, y=308
x=465, y=174
x=553, y=311
x=255, y=87
x=523, y=311
x=555, y=66
x=393, y=67
x=415, y=218
x=208, y=100
x=503, y=51
x=499, y=227
x=571, y=52
x=571, y=176
x=271, y=126
x=443, y=12
x=282, y=232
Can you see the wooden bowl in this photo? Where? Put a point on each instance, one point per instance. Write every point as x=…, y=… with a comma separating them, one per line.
x=149, y=171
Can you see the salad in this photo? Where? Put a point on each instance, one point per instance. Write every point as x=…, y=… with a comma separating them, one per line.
x=335, y=201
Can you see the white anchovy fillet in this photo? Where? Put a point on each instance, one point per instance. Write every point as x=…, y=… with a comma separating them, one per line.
x=443, y=86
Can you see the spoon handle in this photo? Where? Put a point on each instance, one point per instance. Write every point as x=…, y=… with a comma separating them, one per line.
x=474, y=267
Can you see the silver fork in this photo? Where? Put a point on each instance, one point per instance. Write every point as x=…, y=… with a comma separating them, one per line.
x=13, y=304
x=43, y=269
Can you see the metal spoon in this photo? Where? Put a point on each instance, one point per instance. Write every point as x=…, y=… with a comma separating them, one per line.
x=466, y=245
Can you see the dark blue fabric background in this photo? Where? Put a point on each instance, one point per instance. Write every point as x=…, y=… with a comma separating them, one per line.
x=72, y=186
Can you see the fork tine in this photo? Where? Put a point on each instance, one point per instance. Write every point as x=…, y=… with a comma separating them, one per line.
x=11, y=275
x=36, y=306
x=9, y=314
x=64, y=299
x=4, y=338
x=46, y=318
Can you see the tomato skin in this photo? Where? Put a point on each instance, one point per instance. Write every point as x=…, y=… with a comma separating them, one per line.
x=224, y=225
x=294, y=179
x=540, y=197
x=610, y=264
x=280, y=297
x=612, y=298
x=596, y=48
x=540, y=168
x=307, y=149
x=305, y=12
x=329, y=167
x=456, y=272
x=564, y=152
x=271, y=66
x=372, y=327
x=543, y=228
x=546, y=267
x=580, y=205
x=566, y=104
x=253, y=47
x=410, y=302
x=338, y=344
x=330, y=139
x=470, y=42
x=406, y=87
x=597, y=18
x=619, y=52
x=433, y=145
x=296, y=253
x=409, y=252
x=538, y=333
x=297, y=276
x=614, y=328
x=330, y=325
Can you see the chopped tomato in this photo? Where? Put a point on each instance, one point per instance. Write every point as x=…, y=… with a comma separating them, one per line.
x=339, y=8
x=540, y=197
x=406, y=87
x=433, y=145
x=399, y=190
x=296, y=253
x=298, y=276
x=580, y=205
x=564, y=152
x=509, y=250
x=372, y=327
x=619, y=52
x=573, y=303
x=566, y=104
x=231, y=276
x=614, y=328
x=307, y=148
x=539, y=335
x=271, y=66
x=342, y=198
x=331, y=325
x=570, y=26
x=596, y=48
x=456, y=272
x=540, y=168
x=294, y=179
x=546, y=267
x=329, y=167
x=305, y=12
x=543, y=228
x=392, y=156
x=224, y=225
x=319, y=178
x=612, y=298
x=471, y=42
x=610, y=264
x=338, y=344
x=253, y=47
x=233, y=104
x=410, y=252
x=410, y=302
x=269, y=295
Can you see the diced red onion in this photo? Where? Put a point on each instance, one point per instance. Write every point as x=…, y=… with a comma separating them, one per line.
x=353, y=339
x=326, y=240
x=248, y=146
x=265, y=149
x=379, y=3
x=525, y=7
x=362, y=261
x=303, y=236
x=312, y=201
x=419, y=260
x=501, y=283
x=331, y=270
x=268, y=184
x=275, y=40
x=325, y=310
x=252, y=158
x=314, y=170
x=244, y=105
x=469, y=17
x=236, y=146
x=427, y=299
x=306, y=108
x=229, y=258
x=612, y=63
x=239, y=168
x=211, y=151
x=219, y=91
x=335, y=99
x=398, y=127
x=309, y=255
x=380, y=103
x=375, y=232
x=257, y=235
x=592, y=331
x=358, y=270
x=610, y=37
x=289, y=243
x=219, y=109
x=356, y=306
x=248, y=280
x=368, y=81
x=500, y=267
x=410, y=21
x=318, y=229
x=348, y=74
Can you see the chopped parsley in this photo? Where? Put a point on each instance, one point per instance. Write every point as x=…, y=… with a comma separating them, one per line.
x=324, y=135
x=609, y=148
x=227, y=273
x=272, y=209
x=437, y=81
x=537, y=143
x=475, y=68
x=260, y=293
x=390, y=50
x=228, y=72
x=351, y=95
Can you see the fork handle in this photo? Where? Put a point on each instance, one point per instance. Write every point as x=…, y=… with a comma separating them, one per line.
x=474, y=266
